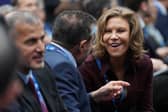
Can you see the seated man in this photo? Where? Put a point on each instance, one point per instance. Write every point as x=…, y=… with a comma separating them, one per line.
x=39, y=94
x=72, y=34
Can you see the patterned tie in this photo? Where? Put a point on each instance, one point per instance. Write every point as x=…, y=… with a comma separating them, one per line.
x=36, y=91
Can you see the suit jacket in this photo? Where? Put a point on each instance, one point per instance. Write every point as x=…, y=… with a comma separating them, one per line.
x=160, y=92
x=162, y=24
x=69, y=82
x=28, y=103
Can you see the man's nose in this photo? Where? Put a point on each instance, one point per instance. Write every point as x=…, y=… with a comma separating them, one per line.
x=40, y=46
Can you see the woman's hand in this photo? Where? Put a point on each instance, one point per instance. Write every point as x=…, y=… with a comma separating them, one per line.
x=109, y=91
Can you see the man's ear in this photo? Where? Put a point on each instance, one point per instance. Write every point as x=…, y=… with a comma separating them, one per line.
x=83, y=45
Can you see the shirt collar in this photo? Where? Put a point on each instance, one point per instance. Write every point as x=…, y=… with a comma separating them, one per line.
x=69, y=54
x=141, y=21
x=25, y=77
x=160, y=7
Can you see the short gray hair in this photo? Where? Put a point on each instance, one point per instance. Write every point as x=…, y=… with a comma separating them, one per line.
x=21, y=17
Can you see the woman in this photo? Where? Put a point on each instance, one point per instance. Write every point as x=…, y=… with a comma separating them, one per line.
x=118, y=74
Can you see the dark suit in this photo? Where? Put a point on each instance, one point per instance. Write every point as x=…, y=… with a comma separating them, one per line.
x=160, y=92
x=28, y=102
x=69, y=82
x=162, y=24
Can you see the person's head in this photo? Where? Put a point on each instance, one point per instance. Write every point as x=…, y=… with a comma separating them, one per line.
x=50, y=6
x=40, y=10
x=10, y=87
x=28, y=5
x=118, y=34
x=67, y=5
x=73, y=30
x=136, y=5
x=35, y=6
x=28, y=34
x=149, y=16
x=97, y=7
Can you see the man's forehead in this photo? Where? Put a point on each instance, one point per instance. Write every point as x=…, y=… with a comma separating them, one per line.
x=30, y=27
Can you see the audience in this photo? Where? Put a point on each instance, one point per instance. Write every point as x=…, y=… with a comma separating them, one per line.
x=74, y=38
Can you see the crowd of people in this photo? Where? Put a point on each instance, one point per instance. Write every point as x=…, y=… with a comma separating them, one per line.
x=83, y=55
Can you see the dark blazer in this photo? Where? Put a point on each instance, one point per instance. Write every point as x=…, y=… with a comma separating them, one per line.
x=162, y=24
x=28, y=102
x=138, y=74
x=160, y=92
x=69, y=82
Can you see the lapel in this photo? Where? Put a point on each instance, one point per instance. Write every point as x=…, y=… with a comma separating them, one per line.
x=27, y=100
x=43, y=78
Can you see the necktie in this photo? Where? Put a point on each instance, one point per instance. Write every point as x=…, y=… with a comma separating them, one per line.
x=36, y=91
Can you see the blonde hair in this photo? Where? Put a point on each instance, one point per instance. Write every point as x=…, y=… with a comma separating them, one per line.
x=136, y=34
